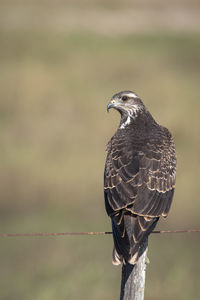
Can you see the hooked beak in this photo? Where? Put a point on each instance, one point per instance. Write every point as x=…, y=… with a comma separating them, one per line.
x=111, y=104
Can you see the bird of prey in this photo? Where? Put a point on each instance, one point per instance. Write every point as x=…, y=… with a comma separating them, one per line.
x=139, y=176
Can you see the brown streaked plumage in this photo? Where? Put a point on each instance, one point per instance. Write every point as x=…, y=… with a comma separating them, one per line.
x=139, y=176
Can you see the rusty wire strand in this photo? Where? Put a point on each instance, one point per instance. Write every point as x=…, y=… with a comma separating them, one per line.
x=40, y=234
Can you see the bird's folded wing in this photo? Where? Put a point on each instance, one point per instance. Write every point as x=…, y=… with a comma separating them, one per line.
x=141, y=180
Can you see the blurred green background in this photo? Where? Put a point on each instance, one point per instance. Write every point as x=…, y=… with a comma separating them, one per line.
x=60, y=62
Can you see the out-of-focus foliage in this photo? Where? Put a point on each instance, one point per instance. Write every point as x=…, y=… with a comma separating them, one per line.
x=59, y=65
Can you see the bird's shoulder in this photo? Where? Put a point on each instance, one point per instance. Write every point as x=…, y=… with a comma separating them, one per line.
x=152, y=142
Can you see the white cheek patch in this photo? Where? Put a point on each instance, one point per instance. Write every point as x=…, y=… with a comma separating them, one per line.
x=134, y=110
x=127, y=122
x=132, y=114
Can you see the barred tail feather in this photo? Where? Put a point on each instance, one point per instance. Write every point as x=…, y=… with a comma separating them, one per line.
x=129, y=233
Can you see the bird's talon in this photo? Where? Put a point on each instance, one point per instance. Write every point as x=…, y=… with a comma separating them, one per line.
x=147, y=261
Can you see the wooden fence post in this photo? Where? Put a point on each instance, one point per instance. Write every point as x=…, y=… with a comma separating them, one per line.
x=133, y=277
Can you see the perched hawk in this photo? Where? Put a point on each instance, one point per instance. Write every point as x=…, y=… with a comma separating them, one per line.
x=139, y=176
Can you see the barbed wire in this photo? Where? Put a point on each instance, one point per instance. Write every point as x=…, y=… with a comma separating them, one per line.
x=41, y=234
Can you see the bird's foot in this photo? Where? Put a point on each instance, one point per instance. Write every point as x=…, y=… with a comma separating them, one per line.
x=147, y=261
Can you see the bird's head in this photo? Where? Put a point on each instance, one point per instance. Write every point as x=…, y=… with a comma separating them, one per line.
x=127, y=103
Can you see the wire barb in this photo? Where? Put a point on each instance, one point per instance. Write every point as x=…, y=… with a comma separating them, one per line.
x=41, y=234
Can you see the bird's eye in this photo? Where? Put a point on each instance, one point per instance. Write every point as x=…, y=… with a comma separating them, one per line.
x=124, y=98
